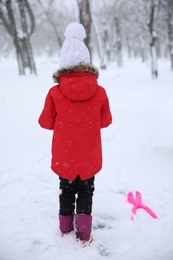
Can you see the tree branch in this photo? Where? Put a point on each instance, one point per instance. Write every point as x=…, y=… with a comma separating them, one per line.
x=32, y=19
x=52, y=23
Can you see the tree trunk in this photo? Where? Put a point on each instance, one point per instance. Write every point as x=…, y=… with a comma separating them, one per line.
x=154, y=69
x=99, y=46
x=142, y=48
x=118, y=43
x=170, y=36
x=105, y=53
x=12, y=29
x=85, y=19
x=25, y=40
x=129, y=47
x=170, y=30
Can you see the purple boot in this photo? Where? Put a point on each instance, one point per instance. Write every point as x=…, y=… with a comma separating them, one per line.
x=66, y=224
x=83, y=227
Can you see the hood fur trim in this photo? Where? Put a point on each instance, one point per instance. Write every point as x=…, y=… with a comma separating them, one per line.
x=82, y=67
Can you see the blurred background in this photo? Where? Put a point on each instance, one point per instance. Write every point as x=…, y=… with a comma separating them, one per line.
x=116, y=29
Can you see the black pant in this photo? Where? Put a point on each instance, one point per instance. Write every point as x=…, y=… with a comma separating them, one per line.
x=68, y=191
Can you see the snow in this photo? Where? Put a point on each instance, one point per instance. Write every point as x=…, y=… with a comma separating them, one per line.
x=138, y=155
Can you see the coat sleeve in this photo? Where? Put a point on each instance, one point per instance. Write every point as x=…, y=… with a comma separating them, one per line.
x=48, y=115
x=106, y=117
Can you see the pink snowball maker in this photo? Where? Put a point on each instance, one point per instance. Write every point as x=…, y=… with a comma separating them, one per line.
x=138, y=203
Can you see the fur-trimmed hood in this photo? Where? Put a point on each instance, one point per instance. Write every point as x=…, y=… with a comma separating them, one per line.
x=77, y=83
x=82, y=67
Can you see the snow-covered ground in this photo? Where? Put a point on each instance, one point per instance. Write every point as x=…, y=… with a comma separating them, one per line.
x=138, y=155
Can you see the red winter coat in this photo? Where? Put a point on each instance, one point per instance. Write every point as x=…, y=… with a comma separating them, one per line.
x=76, y=109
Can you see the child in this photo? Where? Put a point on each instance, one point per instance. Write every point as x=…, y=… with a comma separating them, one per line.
x=76, y=109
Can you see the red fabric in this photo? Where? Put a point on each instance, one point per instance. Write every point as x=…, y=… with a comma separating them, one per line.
x=76, y=110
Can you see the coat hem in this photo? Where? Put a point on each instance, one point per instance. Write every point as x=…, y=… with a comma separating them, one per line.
x=72, y=178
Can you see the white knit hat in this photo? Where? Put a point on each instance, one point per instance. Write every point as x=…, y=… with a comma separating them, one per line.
x=74, y=50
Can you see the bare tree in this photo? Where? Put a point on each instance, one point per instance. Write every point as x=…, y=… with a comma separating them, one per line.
x=147, y=19
x=15, y=18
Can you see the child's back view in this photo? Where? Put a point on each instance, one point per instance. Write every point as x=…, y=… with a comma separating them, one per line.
x=76, y=109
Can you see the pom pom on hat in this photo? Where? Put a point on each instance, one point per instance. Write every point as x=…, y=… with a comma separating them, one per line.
x=74, y=50
x=75, y=30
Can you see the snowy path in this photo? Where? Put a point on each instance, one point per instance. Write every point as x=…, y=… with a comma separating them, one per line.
x=138, y=155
